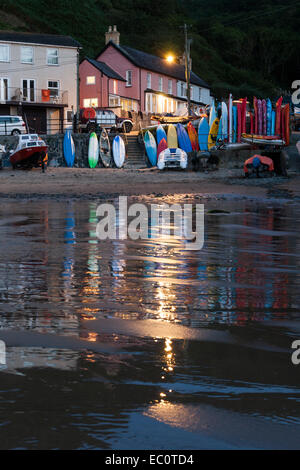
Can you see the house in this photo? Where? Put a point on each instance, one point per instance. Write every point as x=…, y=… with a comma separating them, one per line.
x=38, y=79
x=132, y=80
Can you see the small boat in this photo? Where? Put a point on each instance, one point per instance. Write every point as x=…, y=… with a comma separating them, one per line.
x=31, y=151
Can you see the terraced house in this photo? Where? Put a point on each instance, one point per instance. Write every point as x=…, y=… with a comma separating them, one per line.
x=124, y=78
x=38, y=79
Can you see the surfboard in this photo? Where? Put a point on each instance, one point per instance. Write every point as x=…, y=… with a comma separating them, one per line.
x=183, y=139
x=160, y=134
x=203, y=131
x=119, y=152
x=69, y=148
x=93, y=153
x=285, y=126
x=243, y=114
x=212, y=114
x=212, y=136
x=224, y=120
x=151, y=147
x=278, y=116
x=230, y=118
x=234, y=123
x=255, y=115
x=239, y=122
x=259, y=116
x=220, y=134
x=269, y=116
x=193, y=136
x=105, y=149
x=172, y=137
x=273, y=122
x=161, y=146
x=264, y=117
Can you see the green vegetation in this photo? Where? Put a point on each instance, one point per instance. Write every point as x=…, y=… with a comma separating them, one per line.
x=247, y=48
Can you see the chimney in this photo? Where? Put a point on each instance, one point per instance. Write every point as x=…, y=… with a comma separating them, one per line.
x=112, y=35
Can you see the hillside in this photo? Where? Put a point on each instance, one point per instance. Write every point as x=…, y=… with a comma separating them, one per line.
x=248, y=49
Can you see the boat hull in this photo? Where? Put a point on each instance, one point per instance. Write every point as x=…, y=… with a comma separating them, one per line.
x=29, y=157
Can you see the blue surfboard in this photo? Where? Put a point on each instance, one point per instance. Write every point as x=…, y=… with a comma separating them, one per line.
x=183, y=139
x=269, y=117
x=160, y=134
x=151, y=147
x=273, y=122
x=234, y=124
x=69, y=148
x=203, y=131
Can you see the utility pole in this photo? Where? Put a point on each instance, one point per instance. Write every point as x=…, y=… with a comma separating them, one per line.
x=77, y=93
x=187, y=53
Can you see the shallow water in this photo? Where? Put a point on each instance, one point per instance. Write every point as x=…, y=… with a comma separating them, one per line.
x=145, y=344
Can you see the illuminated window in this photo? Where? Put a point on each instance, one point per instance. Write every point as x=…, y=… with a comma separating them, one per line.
x=90, y=103
x=91, y=80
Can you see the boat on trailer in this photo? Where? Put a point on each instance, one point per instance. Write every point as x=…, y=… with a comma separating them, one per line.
x=31, y=151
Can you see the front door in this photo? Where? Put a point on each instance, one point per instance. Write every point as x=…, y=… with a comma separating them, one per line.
x=28, y=89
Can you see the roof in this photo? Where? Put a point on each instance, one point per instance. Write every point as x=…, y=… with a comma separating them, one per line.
x=33, y=38
x=104, y=68
x=156, y=64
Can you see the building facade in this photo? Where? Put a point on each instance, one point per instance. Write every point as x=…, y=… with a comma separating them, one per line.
x=38, y=79
x=143, y=82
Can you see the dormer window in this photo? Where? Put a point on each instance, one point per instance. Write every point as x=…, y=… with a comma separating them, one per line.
x=128, y=77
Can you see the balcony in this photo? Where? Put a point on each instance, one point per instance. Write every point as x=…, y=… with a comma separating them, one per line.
x=11, y=95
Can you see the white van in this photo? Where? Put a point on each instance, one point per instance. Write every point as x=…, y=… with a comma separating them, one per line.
x=12, y=125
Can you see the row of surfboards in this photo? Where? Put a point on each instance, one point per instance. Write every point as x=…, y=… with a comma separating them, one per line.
x=175, y=137
x=97, y=149
x=264, y=123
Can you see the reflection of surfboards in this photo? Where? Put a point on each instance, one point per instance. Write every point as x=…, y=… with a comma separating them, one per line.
x=203, y=131
x=93, y=153
x=104, y=149
x=69, y=148
x=172, y=137
x=212, y=136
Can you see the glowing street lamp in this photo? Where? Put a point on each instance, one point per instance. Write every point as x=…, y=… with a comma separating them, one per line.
x=170, y=58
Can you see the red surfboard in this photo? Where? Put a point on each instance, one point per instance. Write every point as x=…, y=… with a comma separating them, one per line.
x=161, y=146
x=243, y=116
x=239, y=122
x=193, y=136
x=251, y=123
x=278, y=116
x=264, y=116
x=255, y=115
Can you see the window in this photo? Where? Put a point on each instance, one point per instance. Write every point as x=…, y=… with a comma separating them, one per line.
x=69, y=116
x=52, y=56
x=4, y=89
x=170, y=87
x=53, y=86
x=115, y=87
x=114, y=101
x=27, y=55
x=4, y=53
x=149, y=80
x=199, y=94
x=128, y=77
x=160, y=84
x=91, y=80
x=90, y=103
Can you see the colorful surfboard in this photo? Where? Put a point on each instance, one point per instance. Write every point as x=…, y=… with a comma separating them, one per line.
x=278, y=116
x=163, y=145
x=93, y=152
x=172, y=137
x=183, y=139
x=230, y=118
x=160, y=134
x=69, y=148
x=151, y=147
x=213, y=132
x=119, y=151
x=269, y=116
x=260, y=117
x=224, y=120
x=234, y=123
x=239, y=122
x=264, y=117
x=273, y=122
x=212, y=114
x=243, y=114
x=255, y=115
x=203, y=131
x=192, y=133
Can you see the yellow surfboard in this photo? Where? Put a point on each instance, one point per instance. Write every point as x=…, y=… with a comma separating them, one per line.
x=212, y=136
x=172, y=137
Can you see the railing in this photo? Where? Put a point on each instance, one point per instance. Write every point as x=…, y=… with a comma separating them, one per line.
x=33, y=95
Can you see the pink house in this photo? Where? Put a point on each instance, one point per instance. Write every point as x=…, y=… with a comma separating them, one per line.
x=129, y=79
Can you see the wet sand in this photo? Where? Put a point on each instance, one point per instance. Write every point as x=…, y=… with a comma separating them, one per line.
x=86, y=183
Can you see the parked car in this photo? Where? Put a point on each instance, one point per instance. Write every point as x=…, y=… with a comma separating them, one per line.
x=12, y=125
x=91, y=117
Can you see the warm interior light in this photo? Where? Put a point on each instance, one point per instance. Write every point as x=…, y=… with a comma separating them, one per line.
x=170, y=58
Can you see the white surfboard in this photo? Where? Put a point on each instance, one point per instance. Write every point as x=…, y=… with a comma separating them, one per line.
x=119, y=152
